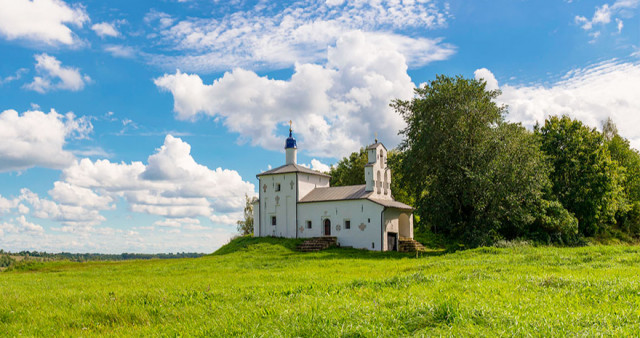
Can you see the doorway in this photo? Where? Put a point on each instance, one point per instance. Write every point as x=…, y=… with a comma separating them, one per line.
x=392, y=241
x=327, y=227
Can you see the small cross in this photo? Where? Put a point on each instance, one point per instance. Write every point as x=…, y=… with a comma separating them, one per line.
x=290, y=123
x=376, y=137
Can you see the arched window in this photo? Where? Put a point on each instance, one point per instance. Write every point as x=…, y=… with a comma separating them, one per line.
x=381, y=159
x=379, y=182
x=386, y=182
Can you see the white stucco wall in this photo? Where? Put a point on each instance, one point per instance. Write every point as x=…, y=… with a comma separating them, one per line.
x=308, y=182
x=357, y=211
x=392, y=224
x=281, y=204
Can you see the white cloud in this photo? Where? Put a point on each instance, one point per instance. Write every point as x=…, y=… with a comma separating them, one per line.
x=317, y=166
x=20, y=225
x=104, y=29
x=172, y=185
x=603, y=15
x=608, y=89
x=6, y=205
x=42, y=21
x=336, y=108
x=71, y=215
x=55, y=76
x=270, y=36
x=26, y=226
x=37, y=139
x=121, y=51
x=488, y=77
x=16, y=76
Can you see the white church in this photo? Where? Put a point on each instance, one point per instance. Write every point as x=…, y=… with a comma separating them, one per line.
x=297, y=202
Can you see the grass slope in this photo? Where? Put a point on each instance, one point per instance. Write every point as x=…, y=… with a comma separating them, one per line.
x=261, y=287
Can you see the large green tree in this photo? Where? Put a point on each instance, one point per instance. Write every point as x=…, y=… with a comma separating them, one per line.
x=584, y=177
x=628, y=158
x=473, y=176
x=349, y=170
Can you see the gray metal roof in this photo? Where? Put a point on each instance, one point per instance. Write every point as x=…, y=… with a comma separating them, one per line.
x=375, y=145
x=391, y=204
x=349, y=192
x=291, y=168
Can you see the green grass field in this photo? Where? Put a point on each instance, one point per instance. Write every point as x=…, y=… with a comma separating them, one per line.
x=261, y=287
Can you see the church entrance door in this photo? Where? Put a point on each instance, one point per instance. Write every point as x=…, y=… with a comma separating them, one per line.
x=392, y=241
x=327, y=227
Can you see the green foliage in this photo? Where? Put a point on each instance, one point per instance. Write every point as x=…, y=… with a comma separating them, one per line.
x=585, y=179
x=349, y=170
x=266, y=289
x=5, y=260
x=473, y=176
x=245, y=226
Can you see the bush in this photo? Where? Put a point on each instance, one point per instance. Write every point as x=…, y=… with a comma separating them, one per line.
x=6, y=261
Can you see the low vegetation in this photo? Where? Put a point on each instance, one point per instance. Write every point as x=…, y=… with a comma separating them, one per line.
x=263, y=287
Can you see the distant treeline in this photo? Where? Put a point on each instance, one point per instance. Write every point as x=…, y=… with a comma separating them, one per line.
x=6, y=257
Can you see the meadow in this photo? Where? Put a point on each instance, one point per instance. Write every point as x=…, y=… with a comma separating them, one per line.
x=262, y=287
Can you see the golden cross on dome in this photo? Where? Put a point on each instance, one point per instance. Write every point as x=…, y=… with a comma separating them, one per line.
x=290, y=123
x=376, y=137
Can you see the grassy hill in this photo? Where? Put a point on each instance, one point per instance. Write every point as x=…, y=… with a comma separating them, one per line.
x=262, y=287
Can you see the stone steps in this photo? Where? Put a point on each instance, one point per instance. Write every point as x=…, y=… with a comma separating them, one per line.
x=317, y=244
x=409, y=245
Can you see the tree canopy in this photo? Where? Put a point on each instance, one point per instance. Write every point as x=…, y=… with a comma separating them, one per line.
x=474, y=177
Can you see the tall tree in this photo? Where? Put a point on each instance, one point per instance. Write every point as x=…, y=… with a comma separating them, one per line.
x=585, y=179
x=349, y=170
x=474, y=177
x=245, y=226
x=629, y=159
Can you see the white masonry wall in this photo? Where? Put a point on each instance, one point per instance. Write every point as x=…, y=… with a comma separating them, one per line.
x=308, y=182
x=365, y=217
x=281, y=204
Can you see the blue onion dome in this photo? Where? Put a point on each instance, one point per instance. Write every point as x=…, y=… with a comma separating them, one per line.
x=291, y=142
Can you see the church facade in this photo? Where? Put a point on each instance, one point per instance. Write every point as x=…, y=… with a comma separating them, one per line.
x=297, y=202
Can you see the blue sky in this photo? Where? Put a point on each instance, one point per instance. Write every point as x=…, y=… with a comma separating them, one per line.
x=139, y=126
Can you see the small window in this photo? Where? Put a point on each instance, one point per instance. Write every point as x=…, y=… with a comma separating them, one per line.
x=373, y=245
x=347, y=224
x=273, y=220
x=308, y=224
x=368, y=220
x=277, y=186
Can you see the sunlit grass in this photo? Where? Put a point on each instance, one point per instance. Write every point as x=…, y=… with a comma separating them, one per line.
x=262, y=287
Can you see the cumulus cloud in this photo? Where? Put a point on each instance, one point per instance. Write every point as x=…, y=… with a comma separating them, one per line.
x=42, y=21
x=172, y=185
x=317, y=166
x=488, y=77
x=104, y=29
x=281, y=35
x=6, y=205
x=336, y=107
x=608, y=89
x=37, y=139
x=55, y=76
x=603, y=15
x=20, y=225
